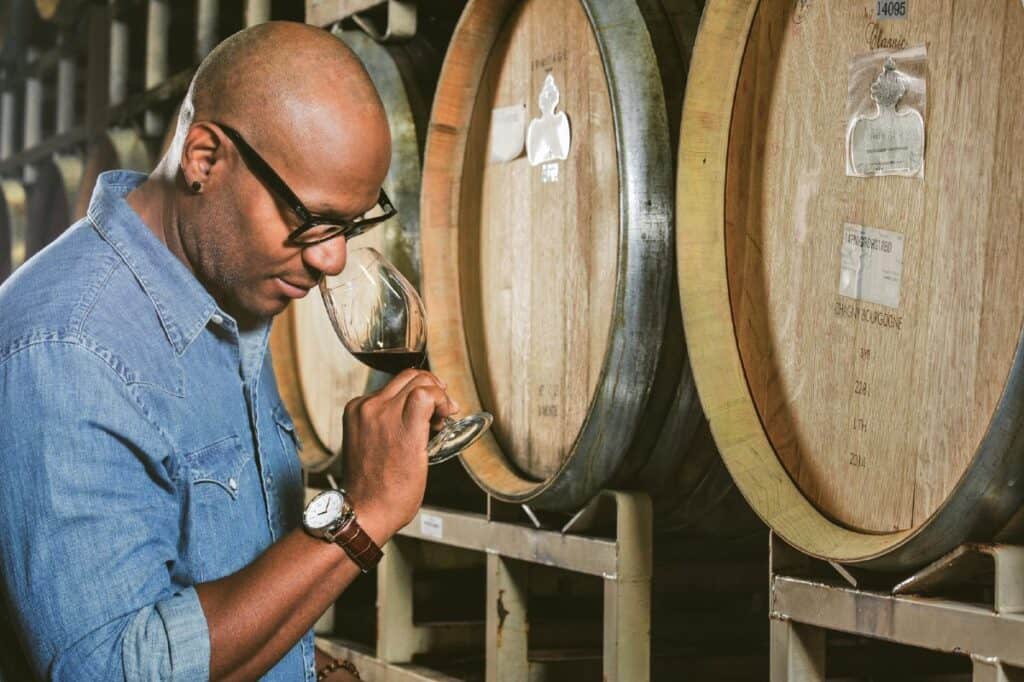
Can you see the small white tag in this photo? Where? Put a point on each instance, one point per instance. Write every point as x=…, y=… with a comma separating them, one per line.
x=431, y=526
x=871, y=265
x=549, y=136
x=892, y=9
x=549, y=172
x=508, y=132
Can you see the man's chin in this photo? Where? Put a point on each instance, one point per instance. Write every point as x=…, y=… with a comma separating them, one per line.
x=270, y=308
x=276, y=308
x=251, y=314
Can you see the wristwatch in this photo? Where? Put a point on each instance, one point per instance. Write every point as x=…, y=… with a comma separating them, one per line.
x=330, y=517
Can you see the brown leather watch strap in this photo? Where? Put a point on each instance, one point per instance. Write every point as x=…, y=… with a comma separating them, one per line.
x=359, y=546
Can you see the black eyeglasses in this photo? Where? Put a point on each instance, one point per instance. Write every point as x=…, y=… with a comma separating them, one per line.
x=315, y=228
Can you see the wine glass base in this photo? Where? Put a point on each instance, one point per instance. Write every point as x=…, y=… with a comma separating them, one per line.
x=457, y=436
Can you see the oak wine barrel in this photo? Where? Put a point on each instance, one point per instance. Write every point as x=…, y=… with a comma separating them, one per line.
x=856, y=341
x=548, y=275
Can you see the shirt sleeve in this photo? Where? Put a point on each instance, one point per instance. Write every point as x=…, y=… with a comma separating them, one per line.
x=90, y=523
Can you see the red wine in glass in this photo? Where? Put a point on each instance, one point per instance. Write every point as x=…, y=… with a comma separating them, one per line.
x=379, y=317
x=391, y=361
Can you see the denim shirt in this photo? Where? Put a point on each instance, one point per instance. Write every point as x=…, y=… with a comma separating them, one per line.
x=144, y=449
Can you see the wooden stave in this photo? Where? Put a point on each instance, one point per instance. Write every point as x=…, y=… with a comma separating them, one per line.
x=5, y=241
x=5, y=21
x=578, y=479
x=71, y=167
x=122, y=148
x=10, y=191
x=52, y=199
x=168, y=138
x=14, y=25
x=404, y=91
x=13, y=225
x=985, y=498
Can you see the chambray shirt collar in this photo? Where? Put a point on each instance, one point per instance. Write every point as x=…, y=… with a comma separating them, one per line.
x=183, y=305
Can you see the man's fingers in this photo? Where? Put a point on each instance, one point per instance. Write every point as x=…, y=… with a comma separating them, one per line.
x=403, y=379
x=425, y=403
x=398, y=383
x=423, y=379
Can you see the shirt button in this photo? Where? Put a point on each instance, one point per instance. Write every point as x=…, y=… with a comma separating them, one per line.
x=233, y=484
x=216, y=319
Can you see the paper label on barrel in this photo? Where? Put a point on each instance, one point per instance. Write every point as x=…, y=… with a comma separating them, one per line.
x=871, y=265
x=508, y=132
x=431, y=526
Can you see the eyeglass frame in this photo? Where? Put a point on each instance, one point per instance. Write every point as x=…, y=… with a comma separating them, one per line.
x=269, y=177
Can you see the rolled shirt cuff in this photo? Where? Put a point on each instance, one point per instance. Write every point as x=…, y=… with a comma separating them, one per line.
x=188, y=635
x=183, y=653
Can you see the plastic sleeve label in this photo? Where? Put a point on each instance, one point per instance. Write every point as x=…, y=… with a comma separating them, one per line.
x=871, y=265
x=885, y=106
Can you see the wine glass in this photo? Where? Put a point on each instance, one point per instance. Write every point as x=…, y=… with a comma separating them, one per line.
x=379, y=318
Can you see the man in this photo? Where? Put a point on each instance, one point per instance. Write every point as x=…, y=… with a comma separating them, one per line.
x=150, y=496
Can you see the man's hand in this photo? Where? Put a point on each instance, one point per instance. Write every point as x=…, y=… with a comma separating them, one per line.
x=255, y=615
x=385, y=448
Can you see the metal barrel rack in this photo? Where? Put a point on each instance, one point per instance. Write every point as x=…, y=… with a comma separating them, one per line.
x=927, y=610
x=126, y=93
x=624, y=563
x=104, y=32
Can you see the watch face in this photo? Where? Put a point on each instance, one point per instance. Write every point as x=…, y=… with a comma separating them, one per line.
x=324, y=510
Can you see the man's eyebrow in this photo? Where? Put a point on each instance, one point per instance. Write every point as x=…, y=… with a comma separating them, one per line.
x=330, y=213
x=324, y=211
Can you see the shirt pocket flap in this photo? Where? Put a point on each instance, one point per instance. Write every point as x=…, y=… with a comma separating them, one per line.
x=285, y=423
x=220, y=463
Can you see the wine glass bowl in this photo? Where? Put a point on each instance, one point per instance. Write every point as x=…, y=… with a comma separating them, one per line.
x=376, y=312
x=379, y=318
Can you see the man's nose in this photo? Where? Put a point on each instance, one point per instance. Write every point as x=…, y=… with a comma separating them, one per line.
x=327, y=257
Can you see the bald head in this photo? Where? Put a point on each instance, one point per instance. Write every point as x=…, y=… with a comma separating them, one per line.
x=297, y=93
x=280, y=70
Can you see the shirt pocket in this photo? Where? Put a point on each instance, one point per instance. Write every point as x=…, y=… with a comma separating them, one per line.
x=220, y=464
x=226, y=516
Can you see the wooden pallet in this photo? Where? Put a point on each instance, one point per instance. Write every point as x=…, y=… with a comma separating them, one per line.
x=623, y=562
x=937, y=608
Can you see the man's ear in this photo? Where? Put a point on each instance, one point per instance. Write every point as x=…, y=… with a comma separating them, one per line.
x=202, y=151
